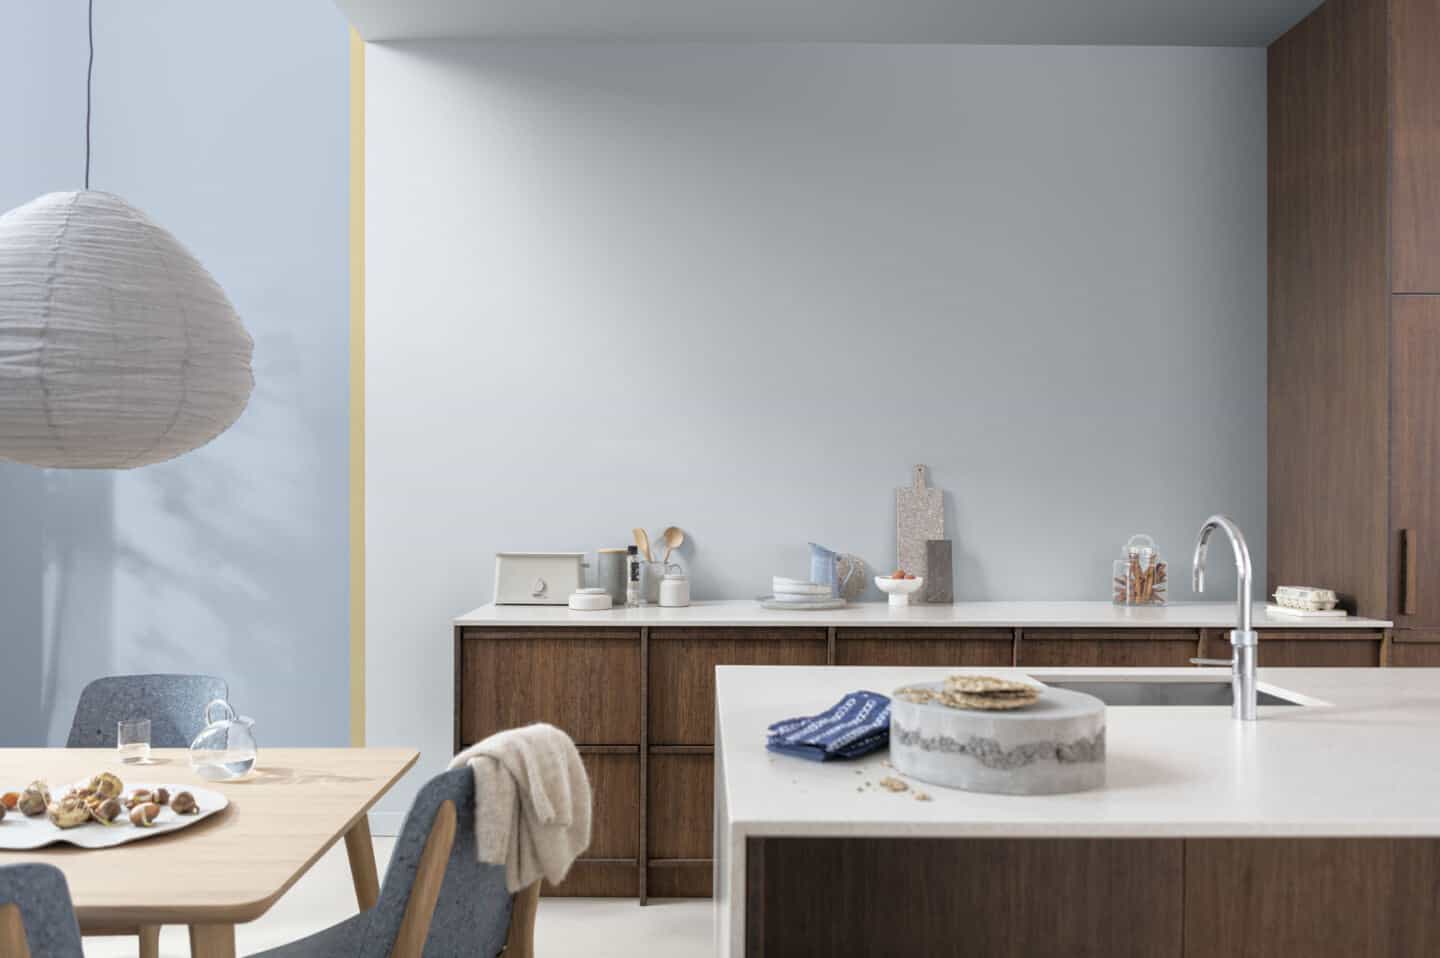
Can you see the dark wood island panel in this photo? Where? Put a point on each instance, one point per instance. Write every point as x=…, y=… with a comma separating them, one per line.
x=1147, y=898
x=958, y=898
x=1317, y=897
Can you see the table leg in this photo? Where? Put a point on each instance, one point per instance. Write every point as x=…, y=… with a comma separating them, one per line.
x=212, y=941
x=149, y=941
x=361, y=849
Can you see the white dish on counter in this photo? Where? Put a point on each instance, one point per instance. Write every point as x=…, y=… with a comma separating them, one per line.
x=799, y=587
x=899, y=590
x=819, y=603
x=21, y=833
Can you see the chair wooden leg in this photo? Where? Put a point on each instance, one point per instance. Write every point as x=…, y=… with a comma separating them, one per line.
x=429, y=876
x=12, y=933
x=212, y=941
x=520, y=942
x=361, y=849
x=149, y=941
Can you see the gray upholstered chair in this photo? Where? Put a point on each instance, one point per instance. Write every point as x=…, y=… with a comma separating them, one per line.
x=437, y=900
x=174, y=704
x=46, y=916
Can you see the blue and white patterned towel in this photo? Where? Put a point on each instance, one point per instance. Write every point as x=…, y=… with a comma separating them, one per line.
x=856, y=725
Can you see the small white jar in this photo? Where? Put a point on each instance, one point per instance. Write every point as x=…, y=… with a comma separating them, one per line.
x=674, y=590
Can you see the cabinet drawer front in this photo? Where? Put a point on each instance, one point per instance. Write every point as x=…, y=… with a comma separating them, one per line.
x=1415, y=655
x=1296, y=649
x=586, y=682
x=681, y=816
x=682, y=673
x=925, y=647
x=615, y=804
x=680, y=879
x=593, y=879
x=1107, y=648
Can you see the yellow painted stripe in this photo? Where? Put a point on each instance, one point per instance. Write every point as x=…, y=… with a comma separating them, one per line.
x=357, y=389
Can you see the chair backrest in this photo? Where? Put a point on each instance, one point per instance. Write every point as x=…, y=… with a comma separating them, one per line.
x=174, y=704
x=472, y=912
x=48, y=917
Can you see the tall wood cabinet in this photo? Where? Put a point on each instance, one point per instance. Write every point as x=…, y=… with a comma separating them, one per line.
x=1354, y=318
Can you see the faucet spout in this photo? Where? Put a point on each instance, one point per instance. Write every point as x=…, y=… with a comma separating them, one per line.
x=1243, y=638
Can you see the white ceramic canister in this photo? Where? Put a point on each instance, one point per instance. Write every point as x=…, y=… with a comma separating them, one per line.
x=590, y=600
x=674, y=589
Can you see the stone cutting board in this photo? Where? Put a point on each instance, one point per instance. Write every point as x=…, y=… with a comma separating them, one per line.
x=919, y=517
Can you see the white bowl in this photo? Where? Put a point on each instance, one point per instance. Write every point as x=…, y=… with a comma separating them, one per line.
x=899, y=590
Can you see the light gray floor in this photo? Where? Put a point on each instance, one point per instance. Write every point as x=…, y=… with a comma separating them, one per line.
x=596, y=928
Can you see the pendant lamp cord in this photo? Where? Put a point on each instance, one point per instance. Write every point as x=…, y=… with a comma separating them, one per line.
x=89, y=73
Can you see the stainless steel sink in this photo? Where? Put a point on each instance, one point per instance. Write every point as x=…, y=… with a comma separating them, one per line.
x=1153, y=693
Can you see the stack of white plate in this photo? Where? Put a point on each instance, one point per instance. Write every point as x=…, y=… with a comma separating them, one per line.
x=800, y=594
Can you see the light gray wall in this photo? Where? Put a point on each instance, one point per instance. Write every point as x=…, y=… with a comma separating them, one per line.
x=228, y=124
x=743, y=289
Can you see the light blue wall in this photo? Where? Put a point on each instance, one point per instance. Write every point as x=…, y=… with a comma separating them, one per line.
x=228, y=124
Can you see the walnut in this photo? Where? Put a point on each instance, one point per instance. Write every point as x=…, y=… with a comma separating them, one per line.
x=143, y=816
x=106, y=811
x=107, y=785
x=69, y=812
x=34, y=800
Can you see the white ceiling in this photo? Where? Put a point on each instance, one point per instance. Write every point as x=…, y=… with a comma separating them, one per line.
x=1151, y=22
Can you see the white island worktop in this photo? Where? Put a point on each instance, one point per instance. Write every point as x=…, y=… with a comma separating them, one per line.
x=1360, y=758
x=959, y=615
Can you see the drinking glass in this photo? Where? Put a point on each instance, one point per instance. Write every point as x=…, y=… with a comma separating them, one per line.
x=132, y=739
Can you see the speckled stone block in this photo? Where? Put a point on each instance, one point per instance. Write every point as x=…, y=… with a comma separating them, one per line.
x=939, y=572
x=1054, y=746
x=919, y=517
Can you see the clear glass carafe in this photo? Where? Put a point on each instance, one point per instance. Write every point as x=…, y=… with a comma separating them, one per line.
x=226, y=747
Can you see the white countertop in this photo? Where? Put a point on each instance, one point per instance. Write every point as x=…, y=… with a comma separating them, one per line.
x=1034, y=615
x=1365, y=762
x=1361, y=760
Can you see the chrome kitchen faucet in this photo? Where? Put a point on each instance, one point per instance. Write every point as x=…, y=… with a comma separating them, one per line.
x=1243, y=639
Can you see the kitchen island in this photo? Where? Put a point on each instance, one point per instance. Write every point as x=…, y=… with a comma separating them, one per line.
x=1314, y=831
x=645, y=727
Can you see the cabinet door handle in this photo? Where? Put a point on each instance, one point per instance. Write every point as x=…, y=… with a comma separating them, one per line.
x=1410, y=574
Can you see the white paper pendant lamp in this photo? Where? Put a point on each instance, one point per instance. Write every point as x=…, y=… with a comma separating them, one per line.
x=117, y=348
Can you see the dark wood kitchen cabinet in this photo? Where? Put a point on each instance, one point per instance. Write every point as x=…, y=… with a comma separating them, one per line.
x=1120, y=648
x=1354, y=314
x=640, y=704
x=1415, y=461
x=925, y=647
x=1318, y=648
x=1415, y=649
x=587, y=682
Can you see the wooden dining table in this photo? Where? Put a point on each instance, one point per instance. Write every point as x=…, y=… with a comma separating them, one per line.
x=225, y=870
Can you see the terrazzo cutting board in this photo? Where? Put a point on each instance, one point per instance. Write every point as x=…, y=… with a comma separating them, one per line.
x=919, y=517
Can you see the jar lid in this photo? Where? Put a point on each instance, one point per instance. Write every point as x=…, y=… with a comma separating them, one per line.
x=592, y=592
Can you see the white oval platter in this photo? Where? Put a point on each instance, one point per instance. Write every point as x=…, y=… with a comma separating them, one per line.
x=20, y=833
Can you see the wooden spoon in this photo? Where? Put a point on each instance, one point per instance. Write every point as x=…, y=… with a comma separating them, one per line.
x=642, y=539
x=673, y=538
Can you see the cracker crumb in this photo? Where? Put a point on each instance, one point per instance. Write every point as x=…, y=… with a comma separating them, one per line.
x=922, y=796
x=894, y=784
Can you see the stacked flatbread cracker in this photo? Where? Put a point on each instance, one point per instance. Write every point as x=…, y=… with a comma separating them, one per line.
x=984, y=692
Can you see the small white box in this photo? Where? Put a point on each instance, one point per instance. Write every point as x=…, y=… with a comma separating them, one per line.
x=537, y=578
